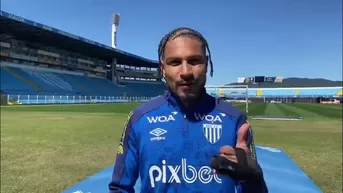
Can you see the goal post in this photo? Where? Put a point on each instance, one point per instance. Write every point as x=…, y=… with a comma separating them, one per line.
x=231, y=93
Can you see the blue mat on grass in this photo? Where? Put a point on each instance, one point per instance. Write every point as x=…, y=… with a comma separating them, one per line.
x=281, y=173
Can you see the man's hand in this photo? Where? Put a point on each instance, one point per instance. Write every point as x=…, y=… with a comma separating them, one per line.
x=240, y=163
x=236, y=162
x=228, y=152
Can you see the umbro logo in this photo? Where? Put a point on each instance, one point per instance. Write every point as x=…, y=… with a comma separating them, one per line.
x=158, y=132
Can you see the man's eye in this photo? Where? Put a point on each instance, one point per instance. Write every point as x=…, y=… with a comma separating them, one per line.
x=174, y=63
x=195, y=61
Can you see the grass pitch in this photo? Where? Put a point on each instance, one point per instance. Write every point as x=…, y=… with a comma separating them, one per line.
x=48, y=148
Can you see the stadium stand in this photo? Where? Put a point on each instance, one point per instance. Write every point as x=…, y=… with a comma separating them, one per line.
x=147, y=90
x=277, y=89
x=282, y=92
x=41, y=64
x=38, y=61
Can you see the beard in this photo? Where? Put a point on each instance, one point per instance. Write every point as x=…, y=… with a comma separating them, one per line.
x=190, y=94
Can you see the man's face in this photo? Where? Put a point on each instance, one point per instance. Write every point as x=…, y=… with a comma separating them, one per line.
x=185, y=67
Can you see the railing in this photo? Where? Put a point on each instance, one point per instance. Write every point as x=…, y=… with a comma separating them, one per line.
x=276, y=95
x=70, y=99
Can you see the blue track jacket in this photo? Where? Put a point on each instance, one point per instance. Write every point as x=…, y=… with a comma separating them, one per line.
x=170, y=148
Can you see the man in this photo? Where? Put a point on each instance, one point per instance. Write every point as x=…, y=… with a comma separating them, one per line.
x=169, y=142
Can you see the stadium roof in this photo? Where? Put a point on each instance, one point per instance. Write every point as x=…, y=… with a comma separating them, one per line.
x=27, y=30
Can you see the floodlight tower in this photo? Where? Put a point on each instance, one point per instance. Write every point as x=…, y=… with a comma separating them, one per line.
x=115, y=25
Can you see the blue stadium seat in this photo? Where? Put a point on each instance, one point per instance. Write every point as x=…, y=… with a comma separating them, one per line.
x=301, y=92
x=319, y=92
x=280, y=92
x=39, y=82
x=48, y=81
x=12, y=84
x=147, y=89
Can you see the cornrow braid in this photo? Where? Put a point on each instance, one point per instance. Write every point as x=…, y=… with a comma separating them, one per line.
x=184, y=31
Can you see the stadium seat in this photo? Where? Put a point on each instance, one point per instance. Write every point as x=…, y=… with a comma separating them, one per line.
x=319, y=92
x=147, y=89
x=50, y=82
x=280, y=92
x=12, y=84
x=41, y=84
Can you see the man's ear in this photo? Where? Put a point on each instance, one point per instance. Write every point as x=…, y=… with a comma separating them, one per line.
x=163, y=73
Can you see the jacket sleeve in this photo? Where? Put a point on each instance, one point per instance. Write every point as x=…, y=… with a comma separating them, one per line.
x=125, y=171
x=258, y=186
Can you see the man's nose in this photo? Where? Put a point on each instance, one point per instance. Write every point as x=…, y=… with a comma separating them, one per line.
x=186, y=70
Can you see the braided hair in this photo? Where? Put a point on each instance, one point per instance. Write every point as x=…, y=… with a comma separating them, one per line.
x=187, y=32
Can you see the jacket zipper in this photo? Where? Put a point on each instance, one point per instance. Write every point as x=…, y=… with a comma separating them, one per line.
x=185, y=126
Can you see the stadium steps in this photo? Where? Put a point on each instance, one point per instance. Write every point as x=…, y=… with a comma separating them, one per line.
x=100, y=84
x=297, y=93
x=39, y=89
x=120, y=85
x=339, y=93
x=259, y=93
x=108, y=85
x=131, y=91
x=221, y=92
x=78, y=83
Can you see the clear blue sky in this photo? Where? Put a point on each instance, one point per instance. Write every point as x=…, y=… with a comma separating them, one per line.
x=288, y=38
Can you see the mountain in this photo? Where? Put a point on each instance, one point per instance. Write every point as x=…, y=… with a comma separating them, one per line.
x=297, y=82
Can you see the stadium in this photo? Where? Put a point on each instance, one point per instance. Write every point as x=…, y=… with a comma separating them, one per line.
x=65, y=98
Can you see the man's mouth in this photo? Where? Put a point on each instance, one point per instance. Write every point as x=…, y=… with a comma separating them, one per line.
x=185, y=86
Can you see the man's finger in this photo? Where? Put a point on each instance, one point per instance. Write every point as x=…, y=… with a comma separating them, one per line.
x=242, y=132
x=242, y=136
